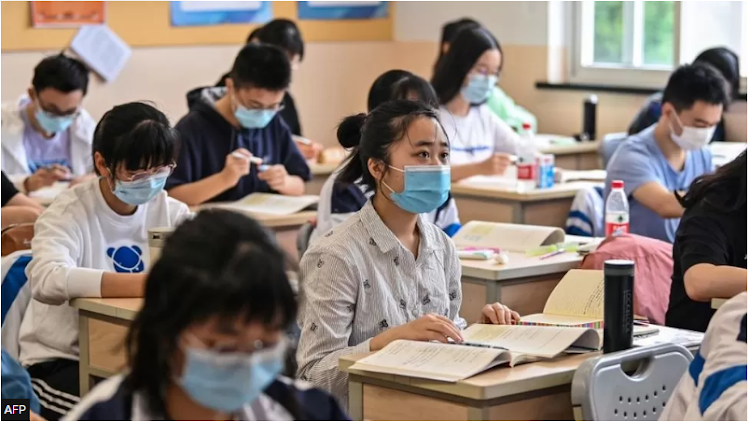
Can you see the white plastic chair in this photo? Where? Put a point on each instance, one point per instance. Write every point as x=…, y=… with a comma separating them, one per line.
x=602, y=391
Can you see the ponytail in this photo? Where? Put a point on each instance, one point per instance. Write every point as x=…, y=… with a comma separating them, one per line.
x=349, y=135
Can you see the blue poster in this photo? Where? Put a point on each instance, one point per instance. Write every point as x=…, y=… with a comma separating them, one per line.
x=201, y=13
x=335, y=10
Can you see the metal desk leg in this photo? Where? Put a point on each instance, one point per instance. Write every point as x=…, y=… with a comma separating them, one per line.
x=356, y=397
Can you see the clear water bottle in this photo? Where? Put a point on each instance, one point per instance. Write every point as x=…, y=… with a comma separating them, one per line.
x=527, y=165
x=617, y=210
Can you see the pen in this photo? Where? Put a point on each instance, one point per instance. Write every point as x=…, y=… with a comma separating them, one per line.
x=551, y=254
x=252, y=159
x=303, y=141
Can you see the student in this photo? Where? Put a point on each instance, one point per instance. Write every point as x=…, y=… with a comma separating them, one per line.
x=91, y=241
x=209, y=342
x=285, y=34
x=47, y=134
x=338, y=201
x=499, y=102
x=17, y=208
x=385, y=273
x=660, y=162
x=715, y=385
x=481, y=143
x=723, y=60
x=710, y=248
x=231, y=125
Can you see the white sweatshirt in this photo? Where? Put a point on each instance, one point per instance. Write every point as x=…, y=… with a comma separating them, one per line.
x=76, y=240
x=478, y=135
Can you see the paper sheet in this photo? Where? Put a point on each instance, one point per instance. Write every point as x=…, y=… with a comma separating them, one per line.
x=561, y=321
x=579, y=293
x=510, y=237
x=443, y=362
x=545, y=342
x=102, y=50
x=268, y=203
x=565, y=176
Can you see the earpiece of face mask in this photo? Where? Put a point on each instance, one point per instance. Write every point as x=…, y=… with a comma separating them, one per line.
x=692, y=138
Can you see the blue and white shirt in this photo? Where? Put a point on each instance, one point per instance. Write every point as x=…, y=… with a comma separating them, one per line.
x=715, y=387
x=112, y=400
x=478, y=135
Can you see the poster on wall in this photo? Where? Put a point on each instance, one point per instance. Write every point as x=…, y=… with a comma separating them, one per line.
x=66, y=14
x=203, y=13
x=102, y=50
x=336, y=10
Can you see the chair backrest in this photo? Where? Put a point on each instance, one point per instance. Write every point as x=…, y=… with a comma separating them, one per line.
x=16, y=294
x=609, y=145
x=303, y=237
x=601, y=390
x=17, y=238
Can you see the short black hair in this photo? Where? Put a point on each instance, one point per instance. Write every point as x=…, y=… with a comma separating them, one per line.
x=261, y=66
x=397, y=84
x=695, y=82
x=220, y=264
x=284, y=34
x=450, y=30
x=371, y=136
x=726, y=62
x=135, y=135
x=466, y=49
x=62, y=73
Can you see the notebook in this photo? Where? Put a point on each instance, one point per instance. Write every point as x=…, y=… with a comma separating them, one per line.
x=484, y=347
x=509, y=237
x=268, y=203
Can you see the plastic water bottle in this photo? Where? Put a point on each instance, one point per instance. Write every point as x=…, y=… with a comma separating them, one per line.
x=617, y=210
x=527, y=165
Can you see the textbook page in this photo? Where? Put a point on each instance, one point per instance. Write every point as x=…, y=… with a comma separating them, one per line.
x=546, y=342
x=268, y=203
x=577, y=300
x=510, y=237
x=438, y=361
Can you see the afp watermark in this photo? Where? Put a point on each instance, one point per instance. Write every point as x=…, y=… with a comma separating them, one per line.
x=16, y=410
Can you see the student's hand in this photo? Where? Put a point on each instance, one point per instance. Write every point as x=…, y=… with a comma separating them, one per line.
x=499, y=314
x=309, y=149
x=427, y=328
x=495, y=165
x=45, y=177
x=237, y=164
x=275, y=176
x=35, y=417
x=81, y=179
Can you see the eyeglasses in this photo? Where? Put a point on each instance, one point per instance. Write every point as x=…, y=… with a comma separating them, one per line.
x=277, y=108
x=55, y=113
x=257, y=346
x=163, y=171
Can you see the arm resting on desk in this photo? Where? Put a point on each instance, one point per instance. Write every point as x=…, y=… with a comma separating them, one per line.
x=196, y=193
x=706, y=281
x=659, y=200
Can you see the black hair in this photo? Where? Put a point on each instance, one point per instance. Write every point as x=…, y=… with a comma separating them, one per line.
x=726, y=62
x=397, y=85
x=261, y=66
x=695, y=82
x=62, y=73
x=253, y=35
x=449, y=32
x=220, y=264
x=371, y=136
x=723, y=191
x=466, y=49
x=284, y=34
x=135, y=135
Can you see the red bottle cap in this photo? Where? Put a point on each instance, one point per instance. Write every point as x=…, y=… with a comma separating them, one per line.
x=618, y=184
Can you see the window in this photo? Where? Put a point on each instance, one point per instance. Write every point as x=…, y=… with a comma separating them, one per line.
x=638, y=43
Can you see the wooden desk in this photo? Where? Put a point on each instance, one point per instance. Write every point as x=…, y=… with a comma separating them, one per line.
x=320, y=173
x=503, y=204
x=102, y=325
x=524, y=284
x=535, y=391
x=285, y=226
x=576, y=156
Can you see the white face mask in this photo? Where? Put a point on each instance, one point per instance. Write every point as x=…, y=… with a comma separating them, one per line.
x=692, y=138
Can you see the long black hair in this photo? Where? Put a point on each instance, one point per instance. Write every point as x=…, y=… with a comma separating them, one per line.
x=372, y=135
x=220, y=264
x=449, y=32
x=135, y=135
x=466, y=49
x=727, y=63
x=724, y=191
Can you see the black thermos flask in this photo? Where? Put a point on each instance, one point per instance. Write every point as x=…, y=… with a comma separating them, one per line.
x=618, y=305
x=589, y=119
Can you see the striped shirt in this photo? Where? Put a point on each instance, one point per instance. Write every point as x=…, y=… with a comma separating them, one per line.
x=358, y=281
x=715, y=387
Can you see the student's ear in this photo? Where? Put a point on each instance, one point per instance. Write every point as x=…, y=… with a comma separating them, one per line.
x=445, y=47
x=376, y=168
x=32, y=93
x=101, y=165
x=229, y=83
x=667, y=110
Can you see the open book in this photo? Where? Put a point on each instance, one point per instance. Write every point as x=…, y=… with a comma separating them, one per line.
x=268, y=203
x=576, y=301
x=484, y=347
x=509, y=237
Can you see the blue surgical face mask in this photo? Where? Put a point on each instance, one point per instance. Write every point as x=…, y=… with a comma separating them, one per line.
x=141, y=191
x=425, y=188
x=52, y=124
x=479, y=88
x=253, y=118
x=228, y=381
